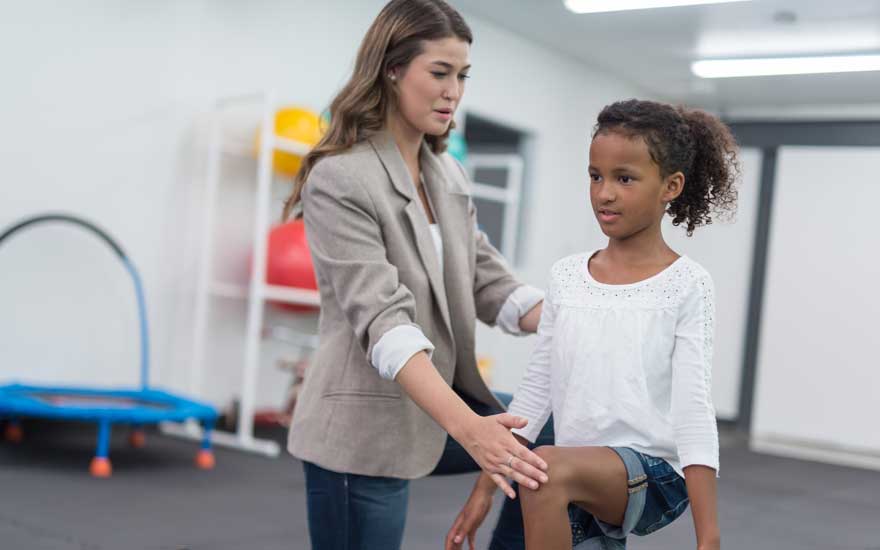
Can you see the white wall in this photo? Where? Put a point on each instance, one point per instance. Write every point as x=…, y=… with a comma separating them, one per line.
x=103, y=109
x=818, y=372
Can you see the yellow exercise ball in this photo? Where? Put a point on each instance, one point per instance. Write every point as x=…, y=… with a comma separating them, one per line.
x=298, y=124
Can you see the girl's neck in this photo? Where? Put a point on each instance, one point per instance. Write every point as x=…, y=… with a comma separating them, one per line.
x=645, y=247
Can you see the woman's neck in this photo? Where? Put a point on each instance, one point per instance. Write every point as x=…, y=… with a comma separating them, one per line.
x=409, y=142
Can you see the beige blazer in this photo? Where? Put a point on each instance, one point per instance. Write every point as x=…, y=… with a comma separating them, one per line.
x=377, y=268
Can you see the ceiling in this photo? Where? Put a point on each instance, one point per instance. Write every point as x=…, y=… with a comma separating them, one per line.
x=653, y=49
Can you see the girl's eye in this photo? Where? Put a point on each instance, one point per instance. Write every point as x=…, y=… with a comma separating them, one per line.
x=625, y=179
x=595, y=178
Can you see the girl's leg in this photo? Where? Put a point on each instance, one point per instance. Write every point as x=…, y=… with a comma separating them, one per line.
x=508, y=533
x=594, y=478
x=354, y=512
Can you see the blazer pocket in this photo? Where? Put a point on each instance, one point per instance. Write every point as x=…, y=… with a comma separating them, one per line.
x=359, y=395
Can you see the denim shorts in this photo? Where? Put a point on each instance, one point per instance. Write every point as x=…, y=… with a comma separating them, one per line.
x=657, y=496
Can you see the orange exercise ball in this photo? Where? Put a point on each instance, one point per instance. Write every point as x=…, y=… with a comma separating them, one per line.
x=300, y=125
x=288, y=260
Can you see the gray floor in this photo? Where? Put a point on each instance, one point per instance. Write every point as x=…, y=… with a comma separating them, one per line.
x=157, y=500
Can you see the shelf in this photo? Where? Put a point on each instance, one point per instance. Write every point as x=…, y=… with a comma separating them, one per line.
x=275, y=293
x=235, y=137
x=292, y=146
x=248, y=149
x=291, y=295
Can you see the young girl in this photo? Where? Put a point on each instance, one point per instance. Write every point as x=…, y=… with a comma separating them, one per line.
x=623, y=360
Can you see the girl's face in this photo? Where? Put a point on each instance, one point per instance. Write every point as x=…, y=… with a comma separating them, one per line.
x=627, y=192
x=430, y=87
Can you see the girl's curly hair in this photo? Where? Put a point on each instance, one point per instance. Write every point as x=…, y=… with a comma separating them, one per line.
x=689, y=141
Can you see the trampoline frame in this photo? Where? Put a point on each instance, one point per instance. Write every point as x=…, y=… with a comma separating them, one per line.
x=19, y=400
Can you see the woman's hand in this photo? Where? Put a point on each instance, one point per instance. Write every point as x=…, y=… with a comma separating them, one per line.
x=491, y=444
x=472, y=515
x=486, y=438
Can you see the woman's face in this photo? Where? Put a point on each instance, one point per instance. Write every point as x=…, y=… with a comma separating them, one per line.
x=430, y=87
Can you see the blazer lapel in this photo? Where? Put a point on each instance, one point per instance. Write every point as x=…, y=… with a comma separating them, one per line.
x=386, y=148
x=451, y=212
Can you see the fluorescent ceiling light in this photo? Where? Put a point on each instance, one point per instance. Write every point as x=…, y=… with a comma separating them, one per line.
x=595, y=6
x=728, y=68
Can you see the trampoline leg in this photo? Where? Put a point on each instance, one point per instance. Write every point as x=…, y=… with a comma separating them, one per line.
x=13, y=432
x=137, y=438
x=101, y=466
x=205, y=457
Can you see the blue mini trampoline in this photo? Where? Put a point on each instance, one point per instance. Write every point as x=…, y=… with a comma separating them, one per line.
x=134, y=407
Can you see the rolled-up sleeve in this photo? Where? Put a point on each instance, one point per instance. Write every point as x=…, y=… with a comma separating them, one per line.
x=349, y=255
x=396, y=347
x=520, y=302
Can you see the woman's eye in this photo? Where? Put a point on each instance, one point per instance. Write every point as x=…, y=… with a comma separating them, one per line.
x=463, y=77
x=439, y=75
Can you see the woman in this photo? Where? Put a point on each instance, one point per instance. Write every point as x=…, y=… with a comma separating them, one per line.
x=403, y=273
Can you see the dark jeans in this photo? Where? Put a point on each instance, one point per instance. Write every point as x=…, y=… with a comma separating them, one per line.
x=355, y=512
x=657, y=495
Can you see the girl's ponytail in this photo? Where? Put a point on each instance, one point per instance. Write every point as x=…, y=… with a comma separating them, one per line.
x=710, y=183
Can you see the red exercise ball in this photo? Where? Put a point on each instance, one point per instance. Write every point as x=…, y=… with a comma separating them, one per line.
x=288, y=261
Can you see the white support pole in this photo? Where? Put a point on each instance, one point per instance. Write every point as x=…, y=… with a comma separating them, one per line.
x=206, y=256
x=256, y=296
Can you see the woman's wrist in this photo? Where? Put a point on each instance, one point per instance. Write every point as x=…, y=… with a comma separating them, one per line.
x=421, y=381
x=462, y=424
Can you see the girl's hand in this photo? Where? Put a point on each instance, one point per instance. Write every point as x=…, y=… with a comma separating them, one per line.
x=470, y=518
x=489, y=441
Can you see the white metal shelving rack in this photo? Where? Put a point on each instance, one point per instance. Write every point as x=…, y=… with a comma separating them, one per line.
x=257, y=292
